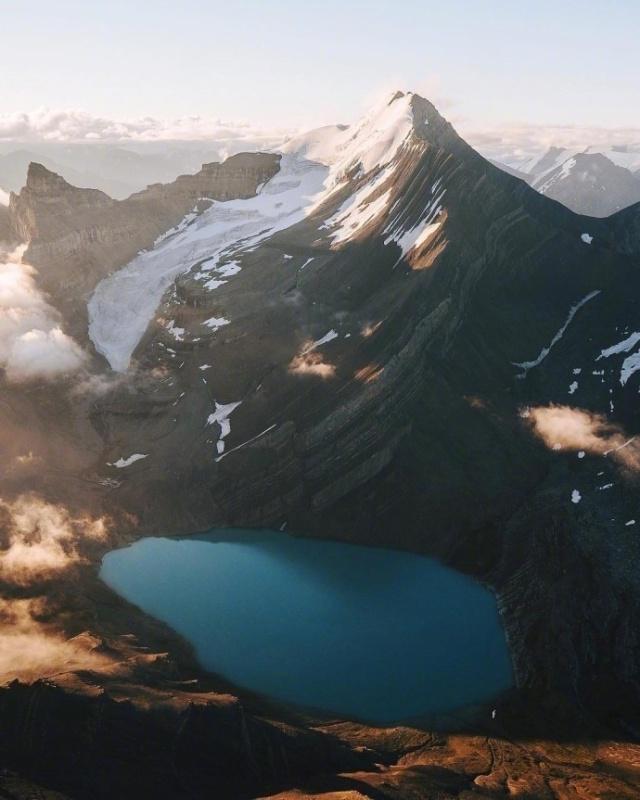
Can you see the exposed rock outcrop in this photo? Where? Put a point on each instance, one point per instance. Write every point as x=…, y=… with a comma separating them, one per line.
x=77, y=236
x=5, y=224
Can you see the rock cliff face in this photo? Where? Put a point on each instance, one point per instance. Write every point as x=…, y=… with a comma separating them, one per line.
x=362, y=351
x=5, y=224
x=77, y=236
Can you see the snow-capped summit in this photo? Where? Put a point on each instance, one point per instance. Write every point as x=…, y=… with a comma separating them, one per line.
x=372, y=141
x=596, y=181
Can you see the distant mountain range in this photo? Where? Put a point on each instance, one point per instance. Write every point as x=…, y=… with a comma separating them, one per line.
x=119, y=170
x=592, y=181
x=596, y=181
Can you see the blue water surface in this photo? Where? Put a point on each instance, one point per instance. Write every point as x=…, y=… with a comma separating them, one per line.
x=376, y=634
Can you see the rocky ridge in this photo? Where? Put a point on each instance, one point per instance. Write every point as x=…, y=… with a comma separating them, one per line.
x=77, y=236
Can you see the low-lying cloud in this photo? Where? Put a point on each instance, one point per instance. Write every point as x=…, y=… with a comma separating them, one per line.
x=311, y=363
x=39, y=540
x=32, y=343
x=567, y=428
x=32, y=648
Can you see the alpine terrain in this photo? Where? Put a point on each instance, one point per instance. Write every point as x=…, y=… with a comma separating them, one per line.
x=372, y=334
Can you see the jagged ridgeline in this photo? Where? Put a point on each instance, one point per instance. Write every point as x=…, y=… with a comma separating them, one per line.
x=354, y=337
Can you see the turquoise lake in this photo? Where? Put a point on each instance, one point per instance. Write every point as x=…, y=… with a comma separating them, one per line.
x=374, y=634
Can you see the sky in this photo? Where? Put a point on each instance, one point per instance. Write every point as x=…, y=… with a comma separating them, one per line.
x=298, y=64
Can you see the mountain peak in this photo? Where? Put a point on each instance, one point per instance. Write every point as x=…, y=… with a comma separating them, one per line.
x=43, y=181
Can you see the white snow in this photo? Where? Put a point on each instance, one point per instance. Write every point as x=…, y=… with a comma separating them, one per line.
x=530, y=166
x=184, y=223
x=543, y=183
x=581, y=454
x=356, y=212
x=527, y=365
x=414, y=237
x=220, y=271
x=370, y=144
x=573, y=387
x=221, y=415
x=605, y=486
x=204, y=366
x=308, y=261
x=123, y=304
x=216, y=322
x=328, y=337
x=177, y=333
x=630, y=365
x=577, y=371
x=373, y=141
x=586, y=238
x=629, y=159
x=576, y=497
x=125, y=462
x=630, y=522
x=621, y=347
x=4, y=198
x=244, y=444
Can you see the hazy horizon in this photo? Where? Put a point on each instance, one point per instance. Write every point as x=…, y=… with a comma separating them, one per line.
x=149, y=73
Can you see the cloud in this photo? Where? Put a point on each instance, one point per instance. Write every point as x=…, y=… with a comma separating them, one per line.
x=32, y=343
x=77, y=126
x=521, y=141
x=32, y=648
x=566, y=428
x=311, y=363
x=43, y=354
x=42, y=539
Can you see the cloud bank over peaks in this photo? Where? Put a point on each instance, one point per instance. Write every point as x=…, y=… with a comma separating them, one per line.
x=511, y=142
x=46, y=125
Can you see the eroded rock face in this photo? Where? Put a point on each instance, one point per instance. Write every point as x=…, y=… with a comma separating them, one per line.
x=5, y=224
x=77, y=236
